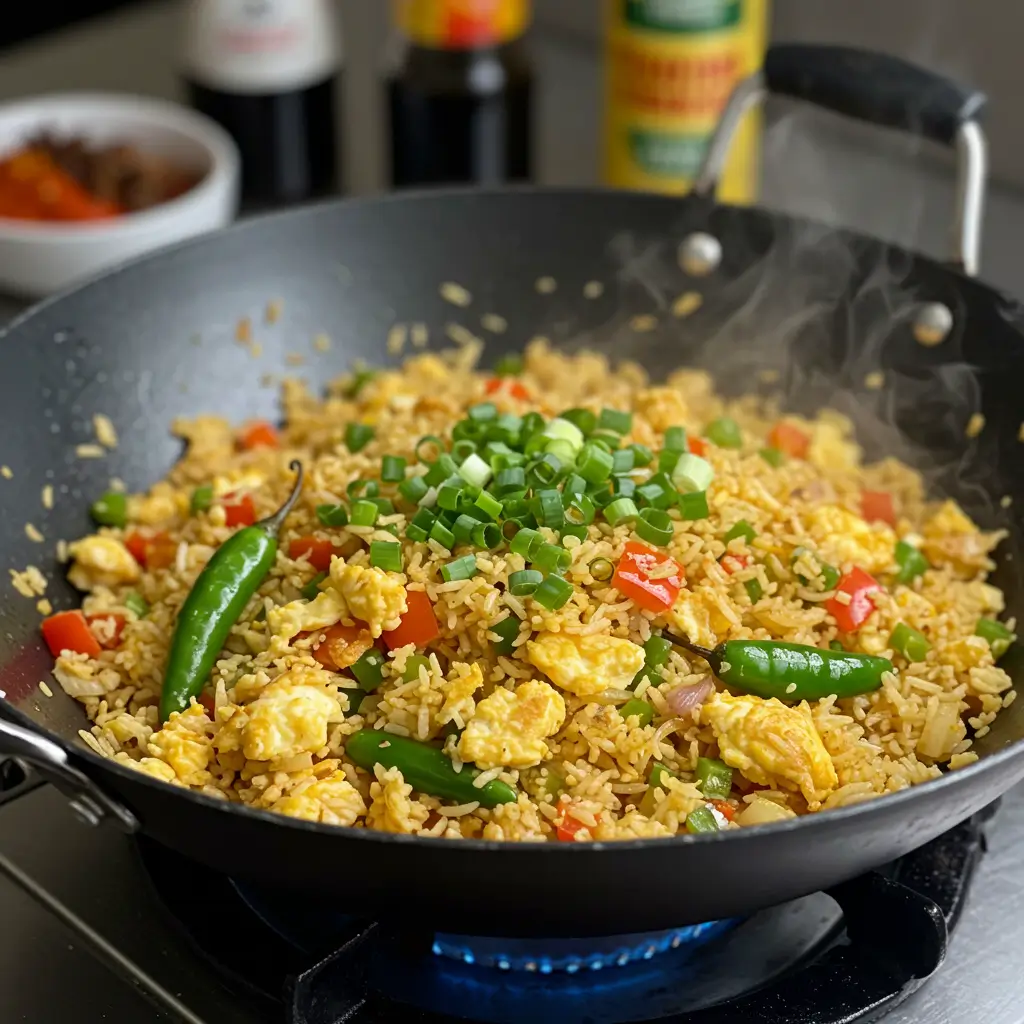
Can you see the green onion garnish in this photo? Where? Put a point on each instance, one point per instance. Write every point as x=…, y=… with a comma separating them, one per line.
x=725, y=433
x=714, y=778
x=392, y=469
x=622, y=461
x=564, y=430
x=533, y=423
x=668, y=460
x=694, y=506
x=429, y=448
x=606, y=439
x=741, y=529
x=553, y=593
x=547, y=508
x=364, y=512
x=601, y=569
x=483, y=413
x=111, y=509
x=488, y=504
x=463, y=528
x=461, y=450
x=675, y=440
x=623, y=486
x=420, y=526
x=312, y=588
x=509, y=480
x=449, y=493
x=620, y=511
x=369, y=670
x=385, y=506
x=136, y=604
x=475, y=471
x=486, y=535
x=580, y=510
x=440, y=533
x=413, y=488
x=358, y=436
x=639, y=709
x=507, y=632
x=505, y=429
x=526, y=542
x=362, y=489
x=642, y=455
x=582, y=418
x=594, y=464
x=572, y=485
x=332, y=515
x=911, y=643
x=463, y=568
x=442, y=470
x=202, y=498
x=551, y=558
x=616, y=421
x=692, y=473
x=386, y=555
x=524, y=582
x=653, y=526
x=360, y=379
x=509, y=366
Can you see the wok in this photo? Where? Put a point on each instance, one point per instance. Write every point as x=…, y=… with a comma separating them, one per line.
x=818, y=307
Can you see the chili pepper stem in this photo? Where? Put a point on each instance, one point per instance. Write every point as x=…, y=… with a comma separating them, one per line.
x=710, y=656
x=272, y=524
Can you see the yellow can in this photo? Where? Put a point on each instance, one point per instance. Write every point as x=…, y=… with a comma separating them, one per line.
x=670, y=67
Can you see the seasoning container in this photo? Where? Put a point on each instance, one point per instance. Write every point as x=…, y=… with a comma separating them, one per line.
x=460, y=93
x=670, y=67
x=268, y=71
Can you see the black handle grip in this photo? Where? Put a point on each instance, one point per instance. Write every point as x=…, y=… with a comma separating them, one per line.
x=873, y=87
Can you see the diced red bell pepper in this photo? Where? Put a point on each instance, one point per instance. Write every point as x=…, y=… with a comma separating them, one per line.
x=789, y=439
x=570, y=827
x=509, y=384
x=207, y=701
x=733, y=563
x=724, y=808
x=877, y=506
x=68, y=631
x=633, y=579
x=155, y=551
x=697, y=445
x=136, y=545
x=259, y=434
x=239, y=510
x=418, y=625
x=341, y=646
x=319, y=551
x=859, y=585
x=111, y=634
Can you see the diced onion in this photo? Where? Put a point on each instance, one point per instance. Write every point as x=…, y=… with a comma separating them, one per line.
x=692, y=473
x=761, y=811
x=683, y=699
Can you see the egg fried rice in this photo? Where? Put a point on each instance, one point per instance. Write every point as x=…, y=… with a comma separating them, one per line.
x=541, y=707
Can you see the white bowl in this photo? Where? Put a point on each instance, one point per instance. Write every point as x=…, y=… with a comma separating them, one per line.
x=37, y=258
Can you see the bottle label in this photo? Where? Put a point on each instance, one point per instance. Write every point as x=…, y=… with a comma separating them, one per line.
x=254, y=47
x=671, y=66
x=461, y=24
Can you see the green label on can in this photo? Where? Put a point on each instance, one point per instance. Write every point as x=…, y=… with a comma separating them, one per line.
x=668, y=154
x=685, y=16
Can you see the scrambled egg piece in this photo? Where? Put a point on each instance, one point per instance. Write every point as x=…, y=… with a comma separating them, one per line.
x=509, y=727
x=392, y=808
x=183, y=744
x=161, y=506
x=288, y=620
x=772, y=744
x=950, y=538
x=690, y=615
x=459, y=689
x=148, y=766
x=101, y=562
x=831, y=447
x=371, y=595
x=662, y=407
x=334, y=801
x=845, y=537
x=585, y=665
x=289, y=717
x=966, y=653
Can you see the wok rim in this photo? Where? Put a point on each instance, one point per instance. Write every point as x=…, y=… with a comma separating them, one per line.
x=85, y=756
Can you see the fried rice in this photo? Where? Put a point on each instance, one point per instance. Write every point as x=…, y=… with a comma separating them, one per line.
x=270, y=727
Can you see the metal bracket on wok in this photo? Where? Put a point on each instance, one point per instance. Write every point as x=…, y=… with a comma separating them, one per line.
x=51, y=762
x=880, y=90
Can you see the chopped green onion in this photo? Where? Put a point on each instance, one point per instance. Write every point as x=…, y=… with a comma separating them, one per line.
x=911, y=643
x=136, y=604
x=462, y=450
x=638, y=708
x=442, y=470
x=486, y=535
x=483, y=412
x=413, y=488
x=507, y=632
x=911, y=563
x=364, y=512
x=675, y=440
x=694, y=506
x=648, y=494
x=488, y=504
x=463, y=528
x=601, y=569
x=653, y=526
x=463, y=568
x=582, y=418
x=202, y=498
x=362, y=489
x=475, y=471
x=332, y=515
x=509, y=366
x=386, y=555
x=561, y=450
x=741, y=529
x=564, y=430
x=526, y=542
x=413, y=664
x=569, y=530
x=442, y=535
x=547, y=507
x=725, y=433
x=551, y=558
x=368, y=670
x=701, y=820
x=580, y=510
x=429, y=448
x=111, y=509
x=518, y=509
x=754, y=590
x=419, y=528
x=606, y=439
x=998, y=636
x=692, y=473
x=467, y=430
x=594, y=464
x=621, y=510
x=656, y=652
x=533, y=423
x=392, y=469
x=545, y=471
x=622, y=461
x=553, y=593
x=508, y=480
x=385, y=506
x=448, y=494
x=714, y=778
x=642, y=455
x=623, y=487
x=358, y=436
x=615, y=420
x=360, y=379
x=772, y=456
x=505, y=429
x=312, y=588
x=668, y=460
x=524, y=582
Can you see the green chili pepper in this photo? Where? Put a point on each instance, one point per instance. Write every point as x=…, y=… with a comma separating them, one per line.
x=714, y=778
x=217, y=599
x=910, y=561
x=355, y=698
x=425, y=768
x=701, y=820
x=767, y=668
x=911, y=643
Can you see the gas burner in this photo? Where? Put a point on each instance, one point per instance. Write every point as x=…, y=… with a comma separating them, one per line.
x=845, y=955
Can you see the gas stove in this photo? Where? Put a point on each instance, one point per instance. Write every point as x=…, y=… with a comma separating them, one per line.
x=203, y=948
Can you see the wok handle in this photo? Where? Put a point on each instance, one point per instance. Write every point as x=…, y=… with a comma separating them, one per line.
x=874, y=87
x=50, y=760
x=880, y=90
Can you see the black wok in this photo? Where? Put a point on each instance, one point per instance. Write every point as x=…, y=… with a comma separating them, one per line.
x=822, y=308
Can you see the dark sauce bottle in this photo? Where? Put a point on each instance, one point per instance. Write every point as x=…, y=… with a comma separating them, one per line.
x=268, y=72
x=460, y=97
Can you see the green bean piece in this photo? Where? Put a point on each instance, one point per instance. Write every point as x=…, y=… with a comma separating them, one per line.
x=714, y=778
x=638, y=708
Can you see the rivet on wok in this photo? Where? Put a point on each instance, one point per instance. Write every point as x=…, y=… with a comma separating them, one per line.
x=700, y=254
x=932, y=324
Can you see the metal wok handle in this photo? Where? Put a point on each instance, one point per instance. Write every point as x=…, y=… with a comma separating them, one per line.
x=51, y=761
x=881, y=90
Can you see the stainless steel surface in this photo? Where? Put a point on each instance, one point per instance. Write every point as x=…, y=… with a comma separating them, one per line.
x=748, y=94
